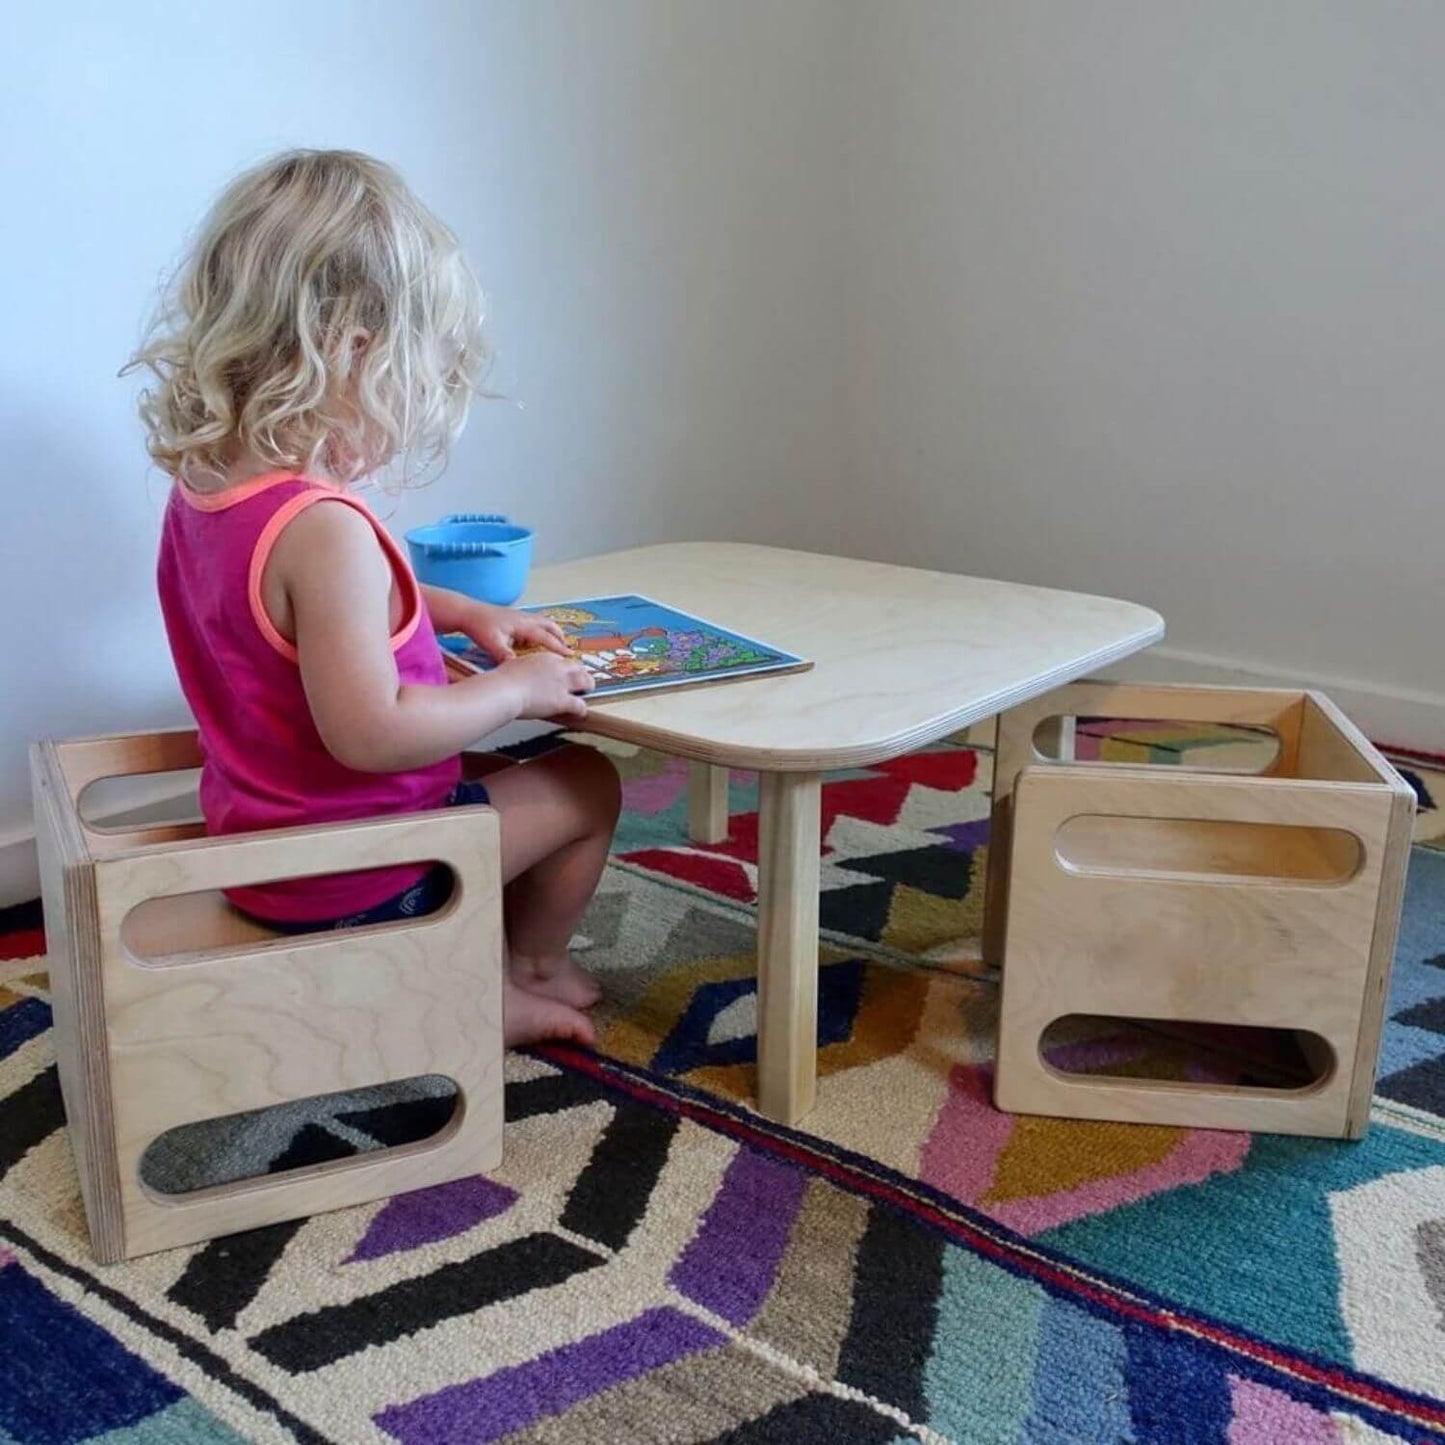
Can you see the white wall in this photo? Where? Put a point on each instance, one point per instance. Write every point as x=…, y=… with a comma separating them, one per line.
x=1150, y=300
x=641, y=185
x=1131, y=297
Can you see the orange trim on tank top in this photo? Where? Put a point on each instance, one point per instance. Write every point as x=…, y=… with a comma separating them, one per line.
x=244, y=491
x=411, y=603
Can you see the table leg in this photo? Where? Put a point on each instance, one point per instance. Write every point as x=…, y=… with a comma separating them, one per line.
x=789, y=818
x=1057, y=738
x=707, y=804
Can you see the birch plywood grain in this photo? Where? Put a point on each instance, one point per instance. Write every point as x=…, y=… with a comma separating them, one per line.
x=1172, y=895
x=1278, y=710
x=901, y=657
x=171, y=1014
x=68, y=898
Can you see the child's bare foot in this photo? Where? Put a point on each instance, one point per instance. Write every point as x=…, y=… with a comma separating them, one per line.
x=529, y=1018
x=558, y=978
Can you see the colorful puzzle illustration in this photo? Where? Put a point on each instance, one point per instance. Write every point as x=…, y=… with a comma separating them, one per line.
x=631, y=644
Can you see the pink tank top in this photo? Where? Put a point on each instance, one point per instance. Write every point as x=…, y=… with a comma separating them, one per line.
x=265, y=765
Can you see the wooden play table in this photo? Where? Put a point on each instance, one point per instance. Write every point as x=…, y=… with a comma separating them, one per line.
x=901, y=658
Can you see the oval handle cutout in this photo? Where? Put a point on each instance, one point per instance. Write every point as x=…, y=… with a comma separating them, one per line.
x=1170, y=1053
x=327, y=1130
x=1197, y=850
x=127, y=802
x=181, y=928
x=1204, y=747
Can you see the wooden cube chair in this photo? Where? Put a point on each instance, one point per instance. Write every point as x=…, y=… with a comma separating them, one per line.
x=172, y=1008
x=1173, y=895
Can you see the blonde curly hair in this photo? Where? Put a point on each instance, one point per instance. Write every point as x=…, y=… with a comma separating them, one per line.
x=325, y=320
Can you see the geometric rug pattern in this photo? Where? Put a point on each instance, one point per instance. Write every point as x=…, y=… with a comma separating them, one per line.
x=654, y=1262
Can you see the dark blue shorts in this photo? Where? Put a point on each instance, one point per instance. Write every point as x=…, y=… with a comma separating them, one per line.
x=427, y=895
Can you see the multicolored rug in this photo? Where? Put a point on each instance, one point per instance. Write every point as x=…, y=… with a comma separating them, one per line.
x=653, y=1262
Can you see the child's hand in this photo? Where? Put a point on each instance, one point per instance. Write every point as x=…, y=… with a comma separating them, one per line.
x=501, y=632
x=548, y=686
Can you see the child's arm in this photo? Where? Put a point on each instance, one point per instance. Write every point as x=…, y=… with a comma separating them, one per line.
x=498, y=631
x=328, y=585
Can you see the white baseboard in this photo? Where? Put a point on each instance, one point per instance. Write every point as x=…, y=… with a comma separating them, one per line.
x=1387, y=715
x=19, y=871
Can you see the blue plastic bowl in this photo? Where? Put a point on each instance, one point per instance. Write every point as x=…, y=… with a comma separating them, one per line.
x=478, y=553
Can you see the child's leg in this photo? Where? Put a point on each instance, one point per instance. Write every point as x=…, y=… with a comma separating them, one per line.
x=558, y=814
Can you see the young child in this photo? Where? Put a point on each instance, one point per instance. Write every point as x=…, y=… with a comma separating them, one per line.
x=325, y=326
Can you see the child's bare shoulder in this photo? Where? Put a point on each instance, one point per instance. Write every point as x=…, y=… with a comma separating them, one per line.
x=330, y=538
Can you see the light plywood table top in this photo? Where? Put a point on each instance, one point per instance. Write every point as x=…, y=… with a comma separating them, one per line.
x=901, y=657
